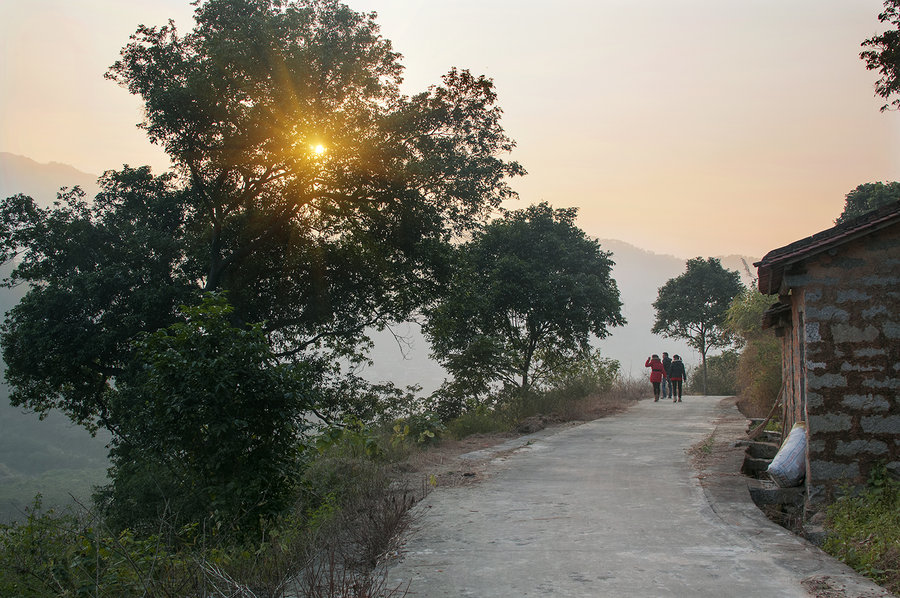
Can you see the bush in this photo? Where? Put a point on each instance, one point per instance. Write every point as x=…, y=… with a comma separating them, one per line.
x=721, y=375
x=864, y=530
x=759, y=374
x=211, y=427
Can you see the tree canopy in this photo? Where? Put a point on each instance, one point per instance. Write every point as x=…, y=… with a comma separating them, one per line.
x=693, y=305
x=883, y=56
x=528, y=292
x=200, y=314
x=867, y=197
x=304, y=184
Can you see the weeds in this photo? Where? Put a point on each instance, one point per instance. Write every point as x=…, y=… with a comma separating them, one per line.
x=864, y=530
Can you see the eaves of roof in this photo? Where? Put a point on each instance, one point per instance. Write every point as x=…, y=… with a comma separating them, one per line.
x=771, y=267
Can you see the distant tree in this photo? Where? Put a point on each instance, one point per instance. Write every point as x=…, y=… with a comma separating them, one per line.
x=884, y=56
x=692, y=306
x=528, y=293
x=867, y=197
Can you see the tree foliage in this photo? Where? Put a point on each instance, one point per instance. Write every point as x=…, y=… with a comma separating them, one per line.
x=528, y=293
x=759, y=365
x=306, y=187
x=693, y=305
x=210, y=425
x=867, y=197
x=883, y=56
x=316, y=244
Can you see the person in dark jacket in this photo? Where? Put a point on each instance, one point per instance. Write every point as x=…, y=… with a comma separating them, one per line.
x=657, y=373
x=666, y=390
x=677, y=376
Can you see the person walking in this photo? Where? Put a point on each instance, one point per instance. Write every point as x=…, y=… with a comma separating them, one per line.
x=657, y=373
x=677, y=376
x=666, y=391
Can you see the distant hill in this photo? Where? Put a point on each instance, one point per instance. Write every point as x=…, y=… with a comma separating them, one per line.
x=41, y=182
x=52, y=457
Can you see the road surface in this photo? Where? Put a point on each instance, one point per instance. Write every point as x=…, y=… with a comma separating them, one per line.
x=614, y=507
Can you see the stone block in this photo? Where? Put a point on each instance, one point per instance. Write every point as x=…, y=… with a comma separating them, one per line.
x=831, y=422
x=891, y=330
x=868, y=402
x=875, y=310
x=873, y=424
x=852, y=295
x=845, y=333
x=827, y=470
x=816, y=381
x=827, y=313
x=860, y=447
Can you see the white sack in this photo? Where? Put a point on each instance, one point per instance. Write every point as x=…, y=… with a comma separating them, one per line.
x=788, y=468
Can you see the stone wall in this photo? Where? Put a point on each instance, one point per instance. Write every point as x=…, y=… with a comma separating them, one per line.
x=845, y=355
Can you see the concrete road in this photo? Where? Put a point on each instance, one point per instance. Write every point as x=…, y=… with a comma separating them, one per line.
x=614, y=508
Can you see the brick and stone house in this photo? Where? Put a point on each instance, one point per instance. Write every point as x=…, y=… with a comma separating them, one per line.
x=838, y=315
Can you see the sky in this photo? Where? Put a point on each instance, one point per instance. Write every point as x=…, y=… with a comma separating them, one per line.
x=684, y=127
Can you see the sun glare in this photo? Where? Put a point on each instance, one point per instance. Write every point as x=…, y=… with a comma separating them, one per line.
x=318, y=149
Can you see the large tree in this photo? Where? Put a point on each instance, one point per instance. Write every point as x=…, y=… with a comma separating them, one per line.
x=693, y=306
x=528, y=292
x=883, y=55
x=867, y=197
x=304, y=184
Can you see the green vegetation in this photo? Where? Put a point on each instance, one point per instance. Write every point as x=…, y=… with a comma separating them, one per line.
x=202, y=317
x=864, y=530
x=209, y=322
x=758, y=371
x=721, y=375
x=692, y=306
x=883, y=55
x=528, y=293
x=867, y=197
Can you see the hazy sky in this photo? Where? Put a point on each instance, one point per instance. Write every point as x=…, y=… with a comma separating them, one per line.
x=690, y=127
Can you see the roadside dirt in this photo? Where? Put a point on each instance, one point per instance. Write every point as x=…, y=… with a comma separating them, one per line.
x=442, y=465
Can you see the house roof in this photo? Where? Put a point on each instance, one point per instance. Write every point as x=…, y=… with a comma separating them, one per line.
x=771, y=267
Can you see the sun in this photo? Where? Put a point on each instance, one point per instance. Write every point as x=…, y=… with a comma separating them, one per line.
x=318, y=149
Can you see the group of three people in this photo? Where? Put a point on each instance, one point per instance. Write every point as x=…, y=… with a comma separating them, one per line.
x=667, y=376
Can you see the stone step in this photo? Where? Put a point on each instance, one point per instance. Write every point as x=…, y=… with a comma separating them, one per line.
x=762, y=450
x=755, y=468
x=770, y=437
x=764, y=495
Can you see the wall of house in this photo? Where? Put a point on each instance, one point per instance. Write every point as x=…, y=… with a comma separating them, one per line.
x=846, y=339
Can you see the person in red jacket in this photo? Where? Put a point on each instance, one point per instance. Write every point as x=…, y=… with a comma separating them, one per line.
x=657, y=373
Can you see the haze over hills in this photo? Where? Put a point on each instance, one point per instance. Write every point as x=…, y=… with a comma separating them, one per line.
x=19, y=174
